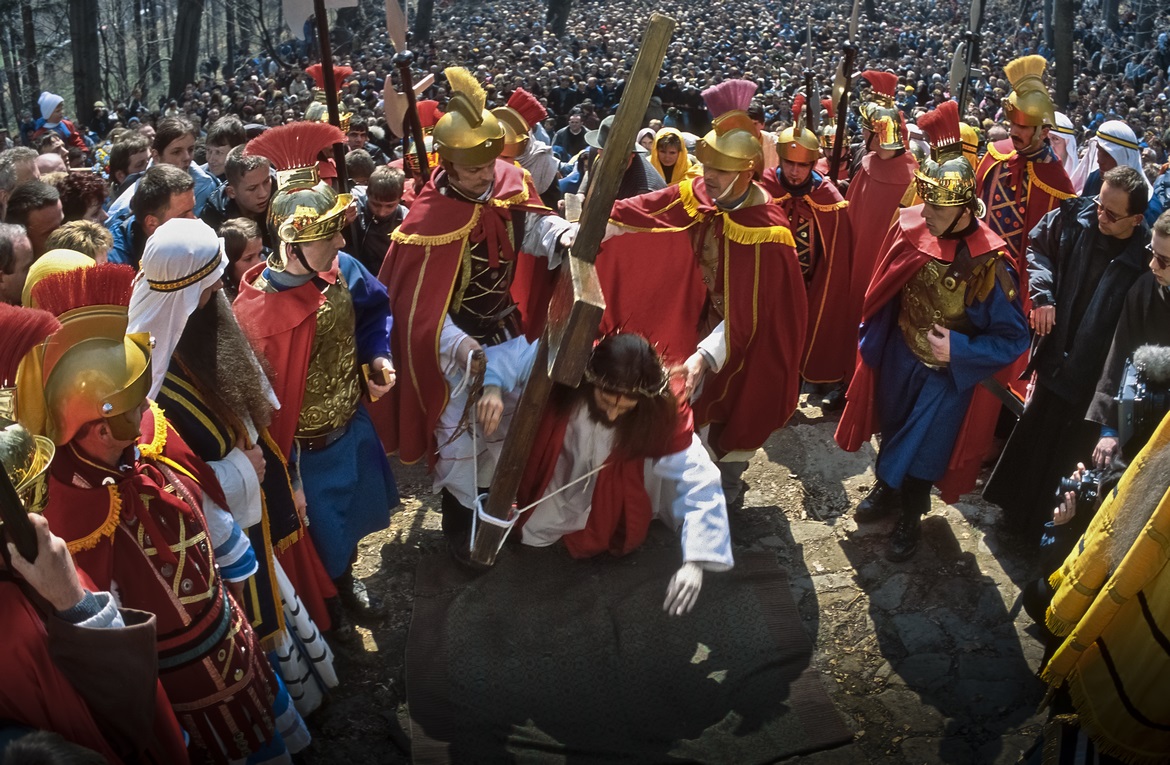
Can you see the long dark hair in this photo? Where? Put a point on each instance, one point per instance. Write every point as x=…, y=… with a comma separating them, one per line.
x=627, y=364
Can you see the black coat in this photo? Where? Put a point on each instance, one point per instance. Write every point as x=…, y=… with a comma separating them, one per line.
x=1059, y=248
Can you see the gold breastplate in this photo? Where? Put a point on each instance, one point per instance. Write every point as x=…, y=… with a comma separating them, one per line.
x=932, y=296
x=332, y=384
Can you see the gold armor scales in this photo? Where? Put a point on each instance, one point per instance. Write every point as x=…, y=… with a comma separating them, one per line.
x=332, y=383
x=940, y=293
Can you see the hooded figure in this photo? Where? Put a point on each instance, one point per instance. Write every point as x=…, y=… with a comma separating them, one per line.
x=1120, y=146
x=683, y=166
x=1063, y=133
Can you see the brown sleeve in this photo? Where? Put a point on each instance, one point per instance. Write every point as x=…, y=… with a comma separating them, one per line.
x=115, y=670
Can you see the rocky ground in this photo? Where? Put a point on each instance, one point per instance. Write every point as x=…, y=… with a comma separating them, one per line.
x=928, y=661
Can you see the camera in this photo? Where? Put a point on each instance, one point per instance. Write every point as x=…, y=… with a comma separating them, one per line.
x=1087, y=488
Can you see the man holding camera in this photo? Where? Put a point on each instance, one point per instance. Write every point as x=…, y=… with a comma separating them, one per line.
x=1145, y=325
x=1083, y=257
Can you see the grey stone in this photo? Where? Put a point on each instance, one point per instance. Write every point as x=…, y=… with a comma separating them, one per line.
x=993, y=668
x=826, y=582
x=812, y=531
x=954, y=592
x=918, y=633
x=990, y=698
x=773, y=541
x=889, y=596
x=966, y=635
x=925, y=671
x=929, y=749
x=1004, y=750
x=908, y=713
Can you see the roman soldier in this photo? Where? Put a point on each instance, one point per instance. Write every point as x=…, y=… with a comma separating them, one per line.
x=518, y=117
x=135, y=506
x=322, y=322
x=942, y=313
x=706, y=269
x=318, y=110
x=879, y=184
x=1021, y=178
x=820, y=228
x=452, y=271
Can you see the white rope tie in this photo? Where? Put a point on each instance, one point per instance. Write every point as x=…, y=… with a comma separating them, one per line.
x=479, y=514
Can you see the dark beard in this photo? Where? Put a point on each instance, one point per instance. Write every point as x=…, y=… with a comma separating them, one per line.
x=596, y=414
x=215, y=351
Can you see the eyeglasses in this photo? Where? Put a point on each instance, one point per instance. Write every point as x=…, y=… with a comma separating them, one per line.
x=1162, y=261
x=1111, y=216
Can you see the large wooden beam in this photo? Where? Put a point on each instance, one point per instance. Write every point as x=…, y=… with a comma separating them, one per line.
x=577, y=305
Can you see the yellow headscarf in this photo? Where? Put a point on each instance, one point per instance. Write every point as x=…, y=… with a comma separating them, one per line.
x=684, y=168
x=52, y=262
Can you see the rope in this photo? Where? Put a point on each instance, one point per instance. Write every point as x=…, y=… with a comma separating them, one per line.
x=478, y=514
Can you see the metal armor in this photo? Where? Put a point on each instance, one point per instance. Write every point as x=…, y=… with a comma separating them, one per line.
x=932, y=296
x=333, y=383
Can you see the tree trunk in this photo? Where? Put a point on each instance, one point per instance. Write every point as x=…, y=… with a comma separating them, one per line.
x=871, y=11
x=153, y=63
x=1063, y=46
x=558, y=15
x=229, y=10
x=18, y=104
x=87, y=62
x=122, y=90
x=424, y=13
x=186, y=47
x=30, y=56
x=1049, y=32
x=1145, y=24
x=140, y=45
x=1112, y=15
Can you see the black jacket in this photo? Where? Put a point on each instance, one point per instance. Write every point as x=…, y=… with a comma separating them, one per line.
x=1059, y=248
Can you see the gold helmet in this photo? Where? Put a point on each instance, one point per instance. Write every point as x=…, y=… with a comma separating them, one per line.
x=89, y=369
x=318, y=111
x=515, y=132
x=304, y=208
x=970, y=137
x=468, y=134
x=798, y=143
x=1029, y=103
x=26, y=457
x=733, y=144
x=946, y=179
x=880, y=114
x=828, y=131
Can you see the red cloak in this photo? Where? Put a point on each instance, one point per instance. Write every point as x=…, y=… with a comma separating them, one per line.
x=907, y=248
x=37, y=692
x=144, y=529
x=620, y=508
x=1048, y=184
x=832, y=332
x=653, y=285
x=875, y=194
x=420, y=272
x=281, y=327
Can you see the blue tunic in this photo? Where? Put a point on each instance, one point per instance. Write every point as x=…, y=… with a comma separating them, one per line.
x=349, y=487
x=921, y=409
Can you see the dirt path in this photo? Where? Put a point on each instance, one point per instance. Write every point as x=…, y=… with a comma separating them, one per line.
x=926, y=660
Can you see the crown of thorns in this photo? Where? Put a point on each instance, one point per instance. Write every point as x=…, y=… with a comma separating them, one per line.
x=648, y=389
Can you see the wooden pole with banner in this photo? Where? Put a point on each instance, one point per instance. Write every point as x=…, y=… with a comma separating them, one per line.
x=330, y=89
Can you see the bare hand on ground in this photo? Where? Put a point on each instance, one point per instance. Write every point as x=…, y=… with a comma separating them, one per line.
x=683, y=591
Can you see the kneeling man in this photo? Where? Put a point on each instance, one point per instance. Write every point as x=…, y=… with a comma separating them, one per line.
x=613, y=454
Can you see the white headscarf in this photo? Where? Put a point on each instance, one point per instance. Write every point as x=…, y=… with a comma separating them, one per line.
x=1120, y=142
x=182, y=258
x=48, y=102
x=1065, y=132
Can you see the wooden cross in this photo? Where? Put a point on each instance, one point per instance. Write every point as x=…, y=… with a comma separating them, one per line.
x=575, y=311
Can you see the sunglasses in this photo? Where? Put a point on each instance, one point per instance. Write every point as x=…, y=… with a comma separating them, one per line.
x=1162, y=261
x=1111, y=216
